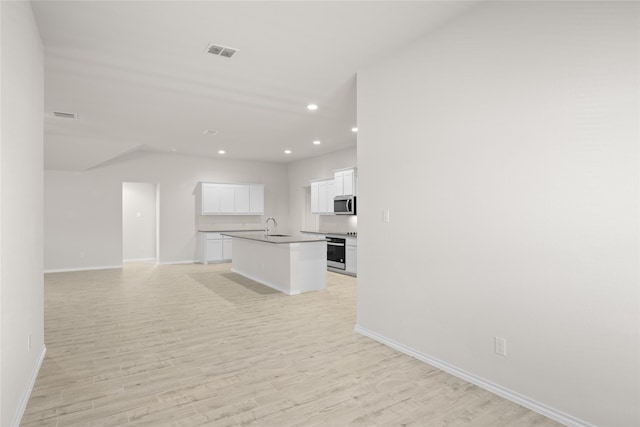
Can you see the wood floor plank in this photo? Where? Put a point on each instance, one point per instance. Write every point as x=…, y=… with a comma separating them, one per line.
x=198, y=345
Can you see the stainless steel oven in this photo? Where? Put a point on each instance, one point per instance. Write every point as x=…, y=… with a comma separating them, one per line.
x=336, y=252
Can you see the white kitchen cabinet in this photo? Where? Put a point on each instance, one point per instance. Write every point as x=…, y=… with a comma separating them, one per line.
x=345, y=182
x=227, y=199
x=315, y=196
x=215, y=247
x=331, y=193
x=351, y=256
x=242, y=199
x=213, y=250
x=349, y=183
x=338, y=182
x=232, y=199
x=323, y=197
x=210, y=199
x=256, y=199
x=322, y=194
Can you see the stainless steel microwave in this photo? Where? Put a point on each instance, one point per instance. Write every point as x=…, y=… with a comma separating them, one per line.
x=344, y=205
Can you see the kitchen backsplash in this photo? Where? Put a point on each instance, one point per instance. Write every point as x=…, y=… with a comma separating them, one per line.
x=229, y=222
x=322, y=223
x=337, y=223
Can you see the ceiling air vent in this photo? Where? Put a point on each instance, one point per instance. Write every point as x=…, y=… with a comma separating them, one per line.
x=215, y=49
x=65, y=115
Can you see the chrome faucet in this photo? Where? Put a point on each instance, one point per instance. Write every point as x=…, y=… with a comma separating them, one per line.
x=266, y=225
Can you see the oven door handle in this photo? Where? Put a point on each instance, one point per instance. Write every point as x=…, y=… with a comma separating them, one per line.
x=335, y=244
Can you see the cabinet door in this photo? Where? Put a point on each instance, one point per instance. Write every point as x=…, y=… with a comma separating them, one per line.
x=323, y=197
x=256, y=199
x=339, y=183
x=322, y=194
x=348, y=186
x=214, y=250
x=227, y=248
x=202, y=247
x=330, y=195
x=210, y=199
x=351, y=259
x=227, y=199
x=242, y=199
x=315, y=197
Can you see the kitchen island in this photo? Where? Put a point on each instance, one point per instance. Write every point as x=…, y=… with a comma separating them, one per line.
x=291, y=264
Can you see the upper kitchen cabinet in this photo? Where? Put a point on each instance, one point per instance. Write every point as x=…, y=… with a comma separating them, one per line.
x=210, y=198
x=256, y=199
x=243, y=199
x=322, y=194
x=345, y=182
x=227, y=199
x=232, y=199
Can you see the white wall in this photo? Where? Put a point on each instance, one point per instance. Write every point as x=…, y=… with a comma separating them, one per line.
x=320, y=167
x=506, y=147
x=21, y=286
x=83, y=210
x=138, y=221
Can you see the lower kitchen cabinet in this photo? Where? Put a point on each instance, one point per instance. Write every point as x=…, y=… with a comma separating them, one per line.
x=215, y=247
x=351, y=256
x=213, y=250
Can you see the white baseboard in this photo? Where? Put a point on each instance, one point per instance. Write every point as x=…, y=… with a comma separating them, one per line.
x=65, y=270
x=107, y=267
x=511, y=395
x=27, y=393
x=138, y=259
x=188, y=261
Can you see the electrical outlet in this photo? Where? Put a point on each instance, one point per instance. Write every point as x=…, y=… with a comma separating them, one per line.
x=385, y=215
x=501, y=346
x=82, y=254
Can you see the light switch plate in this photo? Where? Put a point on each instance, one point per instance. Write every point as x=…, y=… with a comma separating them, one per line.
x=501, y=346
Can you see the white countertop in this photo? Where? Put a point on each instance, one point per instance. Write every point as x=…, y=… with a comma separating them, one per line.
x=331, y=233
x=227, y=230
x=262, y=237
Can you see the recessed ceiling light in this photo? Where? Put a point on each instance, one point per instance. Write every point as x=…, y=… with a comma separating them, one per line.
x=221, y=151
x=287, y=151
x=312, y=107
x=210, y=132
x=354, y=129
x=316, y=142
x=173, y=150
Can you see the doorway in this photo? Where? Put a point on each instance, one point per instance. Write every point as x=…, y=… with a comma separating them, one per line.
x=140, y=225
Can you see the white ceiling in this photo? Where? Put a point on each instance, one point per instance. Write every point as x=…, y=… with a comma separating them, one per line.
x=137, y=74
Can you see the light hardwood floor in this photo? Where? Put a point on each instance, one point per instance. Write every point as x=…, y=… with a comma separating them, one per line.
x=191, y=345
